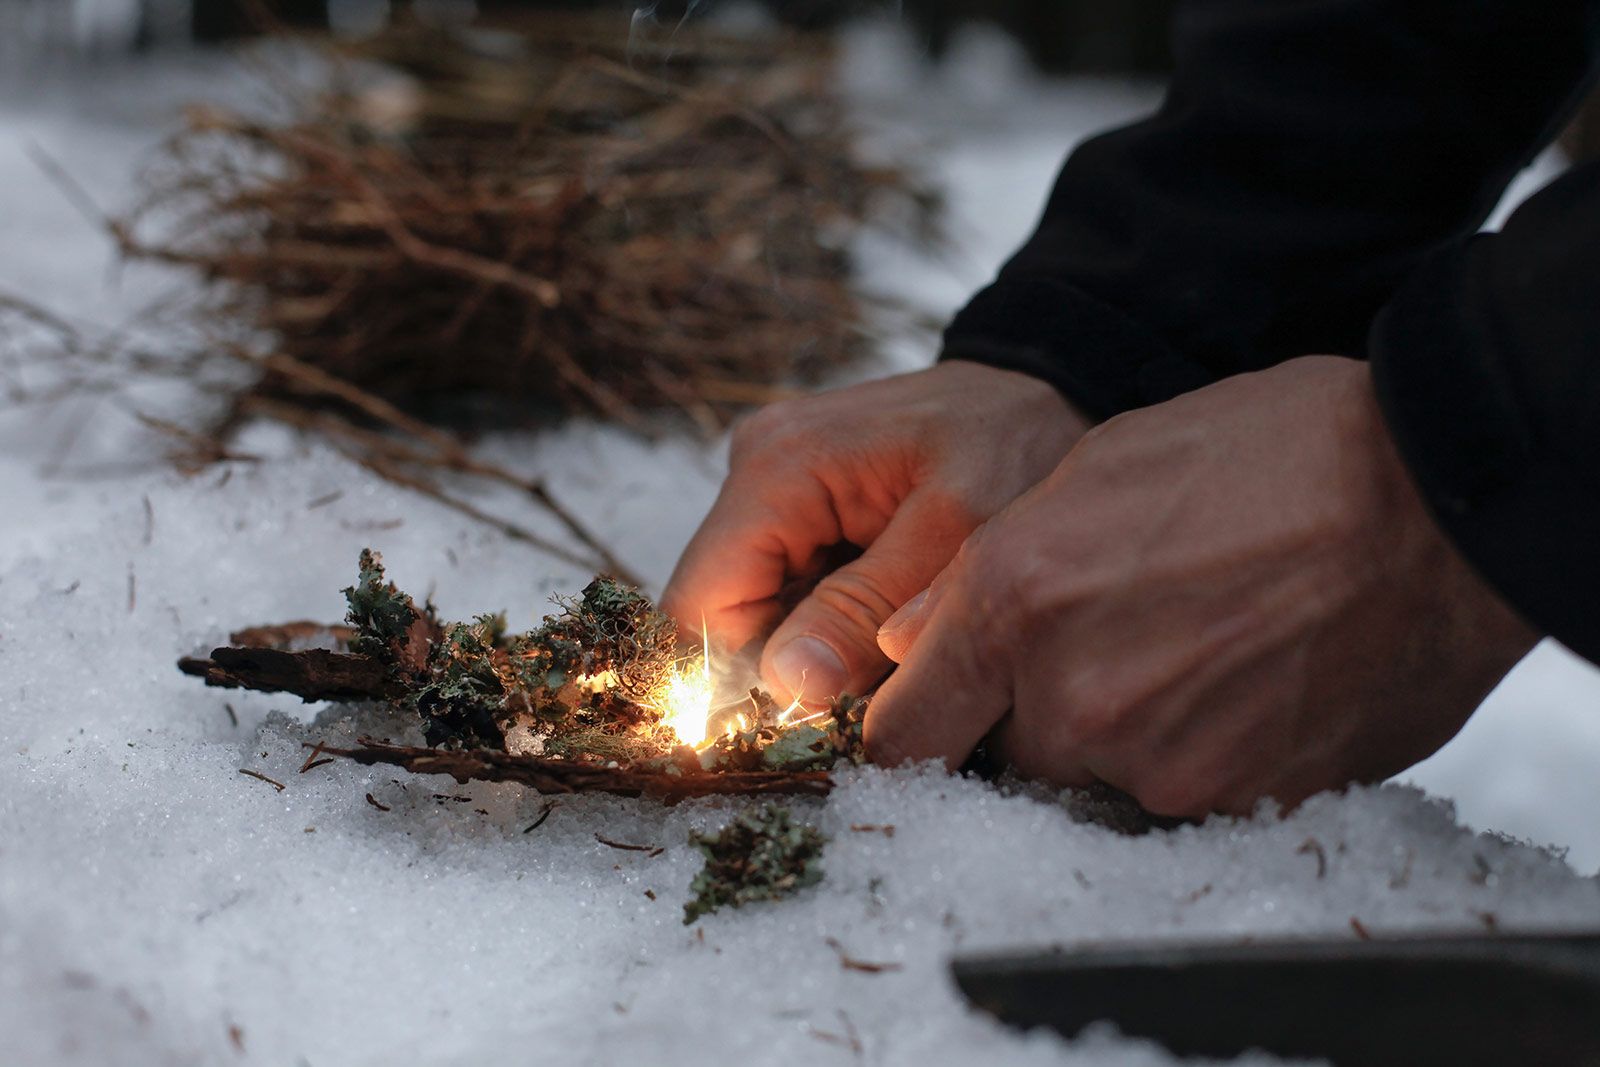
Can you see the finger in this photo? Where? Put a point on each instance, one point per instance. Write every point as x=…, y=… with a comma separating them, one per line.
x=829, y=644
x=762, y=528
x=949, y=692
x=900, y=632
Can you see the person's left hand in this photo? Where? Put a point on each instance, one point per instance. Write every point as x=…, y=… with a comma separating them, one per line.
x=1234, y=595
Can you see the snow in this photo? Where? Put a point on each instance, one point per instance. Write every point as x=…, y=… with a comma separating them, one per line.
x=158, y=907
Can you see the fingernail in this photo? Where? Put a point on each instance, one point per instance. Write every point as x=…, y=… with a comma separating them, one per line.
x=908, y=613
x=808, y=667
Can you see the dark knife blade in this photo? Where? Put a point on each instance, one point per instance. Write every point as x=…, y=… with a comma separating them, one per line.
x=1461, y=1001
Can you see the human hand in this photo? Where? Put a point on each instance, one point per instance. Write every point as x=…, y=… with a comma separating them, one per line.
x=1237, y=594
x=904, y=468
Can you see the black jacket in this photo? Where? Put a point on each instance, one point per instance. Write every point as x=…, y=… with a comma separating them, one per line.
x=1312, y=184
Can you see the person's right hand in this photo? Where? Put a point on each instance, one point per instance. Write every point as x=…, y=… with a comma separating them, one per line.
x=904, y=468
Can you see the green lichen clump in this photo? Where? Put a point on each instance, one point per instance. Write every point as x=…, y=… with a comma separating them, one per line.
x=381, y=613
x=464, y=700
x=760, y=855
x=615, y=628
x=574, y=685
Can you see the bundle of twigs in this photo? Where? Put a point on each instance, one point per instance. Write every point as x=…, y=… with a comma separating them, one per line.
x=266, y=659
x=580, y=703
x=564, y=217
x=549, y=220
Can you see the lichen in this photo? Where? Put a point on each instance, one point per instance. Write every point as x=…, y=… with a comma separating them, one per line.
x=464, y=703
x=574, y=686
x=581, y=685
x=761, y=855
x=380, y=612
x=799, y=748
x=615, y=628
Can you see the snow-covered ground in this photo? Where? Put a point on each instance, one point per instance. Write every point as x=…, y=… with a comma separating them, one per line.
x=158, y=907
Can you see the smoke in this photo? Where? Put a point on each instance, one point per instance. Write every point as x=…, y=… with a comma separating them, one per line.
x=646, y=26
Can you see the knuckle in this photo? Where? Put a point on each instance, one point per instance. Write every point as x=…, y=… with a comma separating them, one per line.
x=999, y=602
x=775, y=414
x=1097, y=435
x=1012, y=591
x=982, y=575
x=775, y=440
x=856, y=597
x=973, y=553
x=955, y=510
x=988, y=557
x=768, y=425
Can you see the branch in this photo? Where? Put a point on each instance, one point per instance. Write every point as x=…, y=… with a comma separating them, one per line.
x=571, y=776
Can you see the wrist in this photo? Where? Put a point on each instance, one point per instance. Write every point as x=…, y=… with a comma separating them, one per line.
x=1470, y=612
x=1034, y=396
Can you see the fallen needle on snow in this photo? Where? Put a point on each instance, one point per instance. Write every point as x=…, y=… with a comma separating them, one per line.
x=279, y=786
x=652, y=850
x=850, y=963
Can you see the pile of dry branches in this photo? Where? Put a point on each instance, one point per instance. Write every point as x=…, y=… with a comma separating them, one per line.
x=558, y=218
x=550, y=220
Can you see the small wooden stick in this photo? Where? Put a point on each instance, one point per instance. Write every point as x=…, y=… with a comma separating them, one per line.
x=573, y=776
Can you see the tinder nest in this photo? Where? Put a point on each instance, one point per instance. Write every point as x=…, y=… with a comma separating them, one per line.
x=573, y=705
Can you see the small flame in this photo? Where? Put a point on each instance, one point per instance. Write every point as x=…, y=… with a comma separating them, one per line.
x=685, y=704
x=685, y=699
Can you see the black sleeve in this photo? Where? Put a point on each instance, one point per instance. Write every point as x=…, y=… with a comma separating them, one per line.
x=1309, y=154
x=1487, y=365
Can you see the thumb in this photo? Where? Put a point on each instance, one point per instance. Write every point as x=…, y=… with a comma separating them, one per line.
x=829, y=644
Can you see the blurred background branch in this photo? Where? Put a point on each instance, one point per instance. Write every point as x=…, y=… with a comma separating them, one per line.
x=1060, y=35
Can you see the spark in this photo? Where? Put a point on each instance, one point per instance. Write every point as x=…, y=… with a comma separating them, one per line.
x=809, y=718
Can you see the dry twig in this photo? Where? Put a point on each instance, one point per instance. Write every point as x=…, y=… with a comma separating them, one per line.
x=572, y=776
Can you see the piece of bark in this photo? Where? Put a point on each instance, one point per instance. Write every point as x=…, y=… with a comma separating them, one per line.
x=286, y=634
x=310, y=674
x=571, y=776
